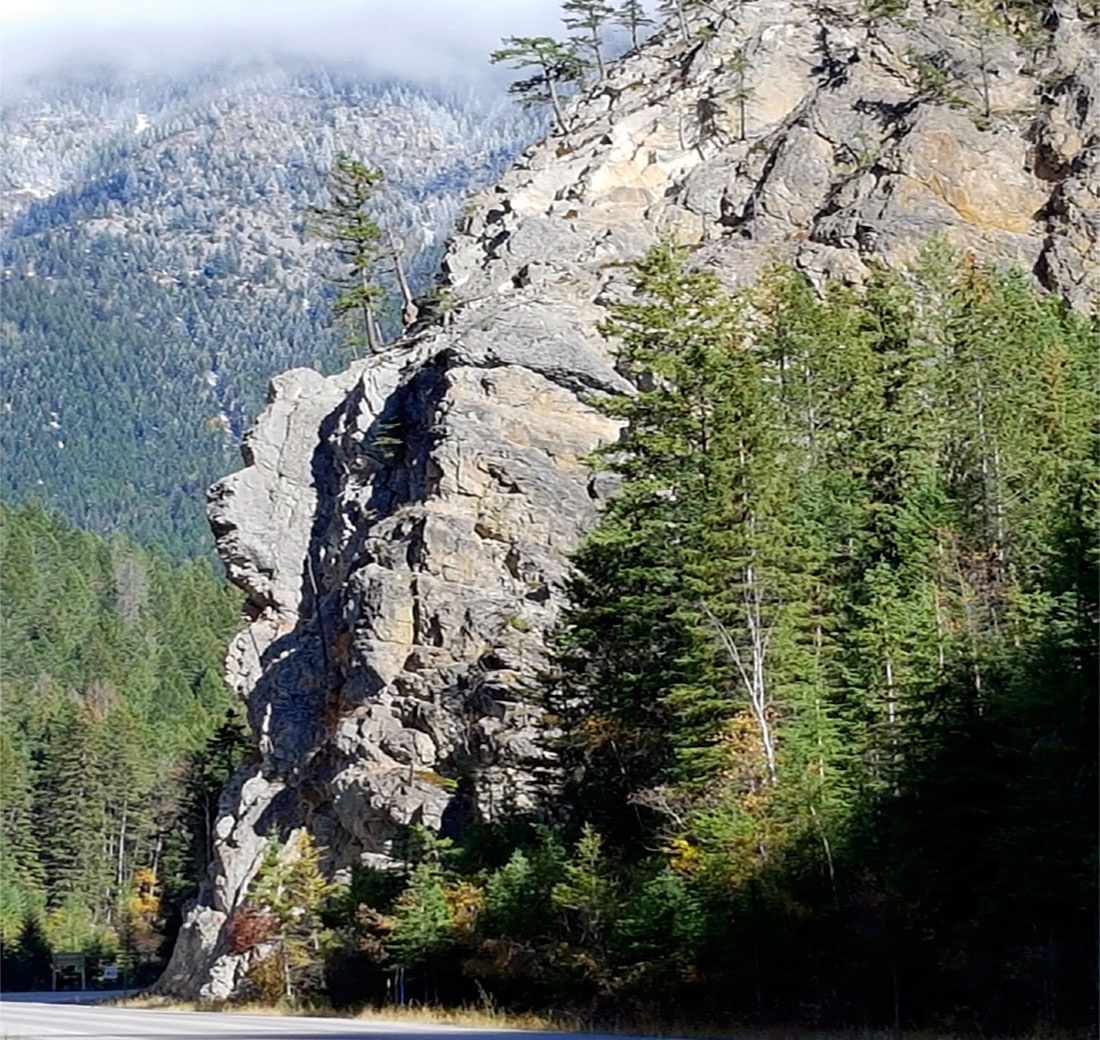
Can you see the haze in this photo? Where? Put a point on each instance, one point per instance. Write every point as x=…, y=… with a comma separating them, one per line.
x=437, y=40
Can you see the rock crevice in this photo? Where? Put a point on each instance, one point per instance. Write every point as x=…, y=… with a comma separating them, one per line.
x=402, y=529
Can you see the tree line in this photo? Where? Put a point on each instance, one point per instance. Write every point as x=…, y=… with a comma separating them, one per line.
x=826, y=687
x=561, y=65
x=117, y=736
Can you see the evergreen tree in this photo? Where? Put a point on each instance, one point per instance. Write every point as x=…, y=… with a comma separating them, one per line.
x=347, y=221
x=517, y=895
x=190, y=844
x=589, y=16
x=73, y=806
x=738, y=63
x=660, y=932
x=291, y=888
x=587, y=894
x=108, y=683
x=827, y=681
x=31, y=959
x=700, y=484
x=423, y=920
x=631, y=15
x=804, y=634
x=20, y=862
x=557, y=68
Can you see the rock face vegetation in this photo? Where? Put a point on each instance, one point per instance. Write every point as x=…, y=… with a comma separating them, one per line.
x=693, y=613
x=765, y=708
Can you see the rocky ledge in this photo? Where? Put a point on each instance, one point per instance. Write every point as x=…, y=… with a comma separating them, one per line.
x=402, y=529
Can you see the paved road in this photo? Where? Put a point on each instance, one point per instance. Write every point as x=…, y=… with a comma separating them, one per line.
x=68, y=996
x=24, y=1020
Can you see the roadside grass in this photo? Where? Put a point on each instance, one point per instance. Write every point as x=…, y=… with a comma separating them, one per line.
x=469, y=1016
x=489, y=1017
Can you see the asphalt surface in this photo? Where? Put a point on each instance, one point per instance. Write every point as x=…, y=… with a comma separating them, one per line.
x=26, y=1019
x=67, y=996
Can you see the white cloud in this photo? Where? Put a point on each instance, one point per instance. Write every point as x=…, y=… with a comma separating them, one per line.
x=432, y=39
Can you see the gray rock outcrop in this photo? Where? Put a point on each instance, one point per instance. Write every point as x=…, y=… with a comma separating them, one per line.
x=402, y=529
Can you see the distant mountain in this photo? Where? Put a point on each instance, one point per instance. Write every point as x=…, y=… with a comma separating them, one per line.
x=156, y=269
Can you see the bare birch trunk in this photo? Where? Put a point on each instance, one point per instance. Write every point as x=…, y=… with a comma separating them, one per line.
x=555, y=101
x=374, y=335
x=121, y=861
x=409, y=309
x=752, y=676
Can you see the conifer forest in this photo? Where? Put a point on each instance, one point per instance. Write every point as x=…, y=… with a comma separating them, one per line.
x=826, y=690
x=818, y=711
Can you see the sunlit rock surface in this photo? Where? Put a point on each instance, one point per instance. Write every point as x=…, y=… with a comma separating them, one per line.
x=402, y=529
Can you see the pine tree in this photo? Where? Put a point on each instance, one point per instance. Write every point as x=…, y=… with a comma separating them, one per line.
x=631, y=15
x=517, y=894
x=590, y=16
x=347, y=221
x=557, y=66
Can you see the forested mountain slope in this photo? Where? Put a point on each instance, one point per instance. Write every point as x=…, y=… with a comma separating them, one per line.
x=790, y=729
x=112, y=693
x=156, y=269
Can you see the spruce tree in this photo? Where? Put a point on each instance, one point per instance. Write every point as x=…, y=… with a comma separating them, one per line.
x=72, y=807
x=701, y=441
x=828, y=676
x=423, y=921
x=103, y=697
x=291, y=888
x=20, y=862
x=635, y=622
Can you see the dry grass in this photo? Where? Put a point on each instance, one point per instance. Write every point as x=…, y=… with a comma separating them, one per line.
x=473, y=1017
x=488, y=1017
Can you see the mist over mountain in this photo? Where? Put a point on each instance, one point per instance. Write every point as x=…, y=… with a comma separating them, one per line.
x=157, y=269
x=442, y=42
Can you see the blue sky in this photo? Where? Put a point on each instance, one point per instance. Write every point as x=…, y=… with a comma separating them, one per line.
x=429, y=38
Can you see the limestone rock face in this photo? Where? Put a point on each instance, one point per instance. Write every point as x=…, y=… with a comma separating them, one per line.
x=402, y=529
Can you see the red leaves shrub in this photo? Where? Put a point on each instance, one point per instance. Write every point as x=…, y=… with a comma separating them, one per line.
x=248, y=927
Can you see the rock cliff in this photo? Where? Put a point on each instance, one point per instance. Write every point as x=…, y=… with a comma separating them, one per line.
x=402, y=529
